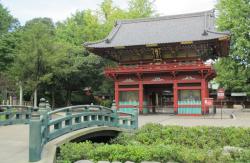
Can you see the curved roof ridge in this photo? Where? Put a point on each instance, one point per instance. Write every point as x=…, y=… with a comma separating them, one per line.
x=113, y=32
x=220, y=33
x=93, y=42
x=108, y=38
x=168, y=17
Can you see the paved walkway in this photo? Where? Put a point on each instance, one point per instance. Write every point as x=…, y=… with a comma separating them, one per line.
x=14, y=138
x=14, y=144
x=241, y=119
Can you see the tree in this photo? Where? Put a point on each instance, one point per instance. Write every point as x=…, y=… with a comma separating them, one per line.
x=234, y=17
x=232, y=75
x=233, y=72
x=79, y=65
x=7, y=21
x=50, y=58
x=109, y=13
x=141, y=8
x=86, y=26
x=8, y=42
x=36, y=44
x=7, y=37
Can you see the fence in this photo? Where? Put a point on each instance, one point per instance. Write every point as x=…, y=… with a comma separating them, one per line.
x=14, y=114
x=46, y=125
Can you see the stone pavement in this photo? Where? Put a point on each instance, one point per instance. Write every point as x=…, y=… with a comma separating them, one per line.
x=14, y=139
x=241, y=119
x=14, y=144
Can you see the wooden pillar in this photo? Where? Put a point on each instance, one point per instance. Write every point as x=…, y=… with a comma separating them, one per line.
x=117, y=94
x=206, y=94
x=207, y=91
x=140, y=96
x=175, y=94
x=203, y=94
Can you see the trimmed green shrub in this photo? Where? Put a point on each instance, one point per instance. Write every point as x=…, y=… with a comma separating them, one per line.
x=106, y=103
x=155, y=142
x=72, y=152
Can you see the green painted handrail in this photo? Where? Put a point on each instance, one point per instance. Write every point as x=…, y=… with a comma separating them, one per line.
x=14, y=114
x=48, y=125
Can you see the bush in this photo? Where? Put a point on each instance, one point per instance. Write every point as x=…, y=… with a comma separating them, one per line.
x=106, y=103
x=155, y=142
x=72, y=152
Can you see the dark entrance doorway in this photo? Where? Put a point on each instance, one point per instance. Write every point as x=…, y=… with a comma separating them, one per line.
x=159, y=98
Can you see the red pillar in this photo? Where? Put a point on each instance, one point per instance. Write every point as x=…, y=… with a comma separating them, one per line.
x=207, y=91
x=140, y=96
x=206, y=94
x=175, y=94
x=203, y=94
x=117, y=94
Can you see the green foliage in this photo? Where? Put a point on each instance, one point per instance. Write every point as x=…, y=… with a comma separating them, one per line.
x=2, y=117
x=6, y=20
x=106, y=103
x=141, y=8
x=34, y=48
x=72, y=66
x=233, y=72
x=232, y=75
x=110, y=13
x=50, y=57
x=8, y=44
x=169, y=143
x=234, y=17
x=75, y=151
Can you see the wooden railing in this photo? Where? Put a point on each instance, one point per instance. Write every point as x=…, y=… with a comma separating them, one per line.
x=46, y=125
x=158, y=67
x=14, y=114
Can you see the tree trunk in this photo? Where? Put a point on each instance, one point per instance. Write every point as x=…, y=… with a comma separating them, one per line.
x=5, y=94
x=20, y=94
x=35, y=97
x=68, y=98
x=53, y=98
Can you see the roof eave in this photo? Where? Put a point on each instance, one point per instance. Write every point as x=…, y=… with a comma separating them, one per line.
x=106, y=39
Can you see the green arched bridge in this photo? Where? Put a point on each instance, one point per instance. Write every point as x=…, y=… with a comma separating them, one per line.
x=46, y=130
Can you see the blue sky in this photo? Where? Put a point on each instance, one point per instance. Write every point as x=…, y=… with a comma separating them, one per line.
x=59, y=10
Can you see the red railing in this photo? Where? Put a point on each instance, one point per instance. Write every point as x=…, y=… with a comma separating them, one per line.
x=159, y=68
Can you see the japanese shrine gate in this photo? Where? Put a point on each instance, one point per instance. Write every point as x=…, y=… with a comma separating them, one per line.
x=162, y=61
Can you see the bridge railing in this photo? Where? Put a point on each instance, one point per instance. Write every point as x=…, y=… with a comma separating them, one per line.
x=128, y=120
x=47, y=125
x=77, y=117
x=14, y=114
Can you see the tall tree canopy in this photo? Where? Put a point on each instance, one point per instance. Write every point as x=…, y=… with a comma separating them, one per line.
x=86, y=26
x=34, y=49
x=234, y=16
x=8, y=43
x=7, y=39
x=141, y=8
x=233, y=72
x=51, y=58
x=7, y=21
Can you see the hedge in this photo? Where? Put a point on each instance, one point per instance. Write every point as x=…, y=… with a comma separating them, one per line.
x=155, y=142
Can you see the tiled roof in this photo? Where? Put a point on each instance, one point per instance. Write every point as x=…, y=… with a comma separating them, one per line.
x=168, y=29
